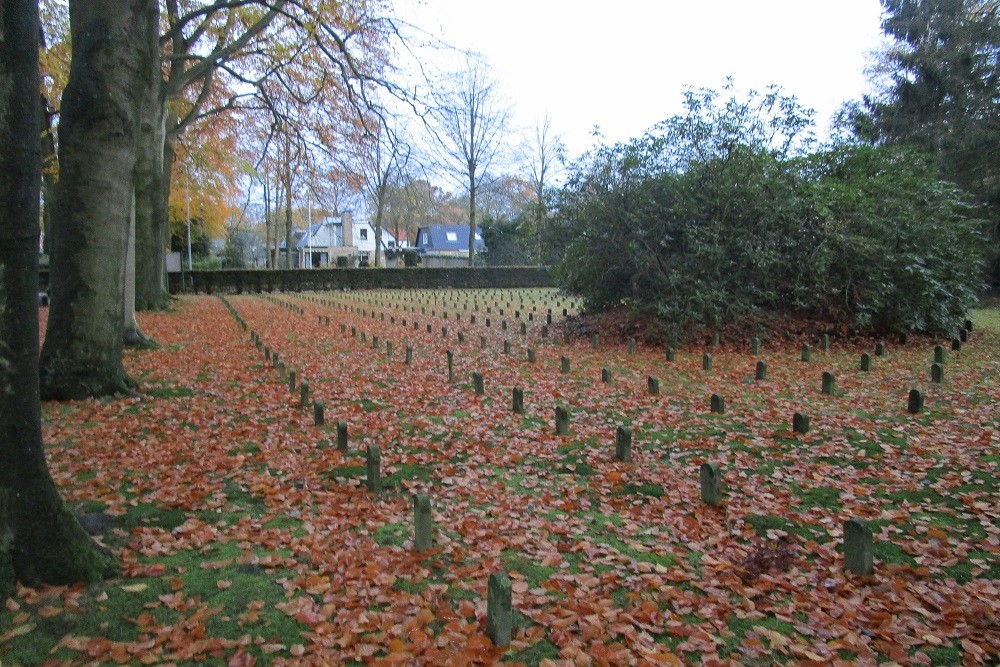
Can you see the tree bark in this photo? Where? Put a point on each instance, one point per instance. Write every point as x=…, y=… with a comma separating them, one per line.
x=132, y=334
x=40, y=541
x=82, y=355
x=150, y=205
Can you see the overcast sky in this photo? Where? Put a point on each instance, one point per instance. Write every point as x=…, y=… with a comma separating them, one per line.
x=623, y=65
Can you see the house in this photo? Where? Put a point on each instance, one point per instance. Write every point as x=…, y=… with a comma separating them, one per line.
x=324, y=242
x=446, y=245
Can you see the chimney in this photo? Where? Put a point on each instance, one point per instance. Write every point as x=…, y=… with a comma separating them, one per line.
x=348, y=228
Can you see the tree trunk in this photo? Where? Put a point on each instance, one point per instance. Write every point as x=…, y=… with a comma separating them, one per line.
x=267, y=223
x=150, y=206
x=40, y=541
x=472, y=218
x=378, y=229
x=132, y=335
x=82, y=355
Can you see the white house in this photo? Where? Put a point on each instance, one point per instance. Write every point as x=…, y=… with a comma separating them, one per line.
x=324, y=242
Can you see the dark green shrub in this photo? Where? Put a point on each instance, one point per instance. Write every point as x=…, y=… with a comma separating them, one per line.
x=724, y=213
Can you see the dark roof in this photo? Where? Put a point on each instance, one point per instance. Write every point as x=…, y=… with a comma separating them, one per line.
x=447, y=237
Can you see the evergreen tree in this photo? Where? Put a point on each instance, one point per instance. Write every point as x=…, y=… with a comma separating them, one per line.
x=941, y=86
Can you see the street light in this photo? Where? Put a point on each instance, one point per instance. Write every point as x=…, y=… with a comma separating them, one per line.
x=188, y=206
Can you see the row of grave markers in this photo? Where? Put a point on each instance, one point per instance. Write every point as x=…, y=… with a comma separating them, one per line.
x=858, y=538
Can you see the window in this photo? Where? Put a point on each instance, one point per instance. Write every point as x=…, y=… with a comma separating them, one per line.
x=451, y=236
x=364, y=234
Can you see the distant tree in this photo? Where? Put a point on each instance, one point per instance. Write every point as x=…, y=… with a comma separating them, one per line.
x=939, y=82
x=546, y=154
x=470, y=123
x=382, y=158
x=40, y=541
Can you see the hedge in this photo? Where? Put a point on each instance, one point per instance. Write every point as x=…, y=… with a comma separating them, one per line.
x=238, y=281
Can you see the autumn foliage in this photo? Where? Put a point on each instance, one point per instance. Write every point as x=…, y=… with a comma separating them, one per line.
x=246, y=536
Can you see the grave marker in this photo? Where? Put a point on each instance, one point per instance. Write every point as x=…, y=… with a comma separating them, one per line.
x=711, y=484
x=477, y=383
x=652, y=386
x=829, y=382
x=915, y=403
x=318, y=419
x=517, y=401
x=342, y=435
x=718, y=404
x=605, y=375
x=800, y=423
x=562, y=420
x=859, y=549
x=761, y=373
x=866, y=362
x=937, y=373
x=499, y=609
x=623, y=444
x=806, y=353
x=373, y=463
x=706, y=361
x=422, y=527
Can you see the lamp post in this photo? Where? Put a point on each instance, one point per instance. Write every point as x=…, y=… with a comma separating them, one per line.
x=188, y=211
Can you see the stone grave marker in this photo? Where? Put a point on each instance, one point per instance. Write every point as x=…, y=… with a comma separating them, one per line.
x=937, y=373
x=499, y=609
x=342, y=435
x=517, y=401
x=829, y=383
x=422, y=525
x=562, y=420
x=373, y=464
x=866, y=362
x=915, y=402
x=711, y=484
x=718, y=404
x=859, y=548
x=800, y=423
x=623, y=444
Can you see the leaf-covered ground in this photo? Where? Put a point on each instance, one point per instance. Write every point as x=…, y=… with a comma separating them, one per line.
x=246, y=536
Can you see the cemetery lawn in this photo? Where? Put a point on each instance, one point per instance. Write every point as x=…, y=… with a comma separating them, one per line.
x=246, y=536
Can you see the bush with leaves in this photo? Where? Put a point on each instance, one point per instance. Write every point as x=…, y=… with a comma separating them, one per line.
x=727, y=212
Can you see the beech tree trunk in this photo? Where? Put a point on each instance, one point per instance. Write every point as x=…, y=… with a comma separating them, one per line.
x=82, y=355
x=40, y=541
x=151, y=206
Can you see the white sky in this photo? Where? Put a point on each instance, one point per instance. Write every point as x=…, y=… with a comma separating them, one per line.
x=624, y=65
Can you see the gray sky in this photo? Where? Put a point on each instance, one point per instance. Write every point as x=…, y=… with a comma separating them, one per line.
x=623, y=65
